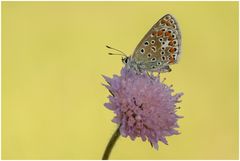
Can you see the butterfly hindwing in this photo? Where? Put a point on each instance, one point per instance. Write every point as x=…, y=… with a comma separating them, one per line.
x=160, y=46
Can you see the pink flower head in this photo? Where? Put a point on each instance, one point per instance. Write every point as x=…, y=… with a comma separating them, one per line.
x=144, y=106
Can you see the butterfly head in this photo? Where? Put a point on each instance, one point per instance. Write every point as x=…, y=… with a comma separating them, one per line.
x=125, y=60
x=131, y=63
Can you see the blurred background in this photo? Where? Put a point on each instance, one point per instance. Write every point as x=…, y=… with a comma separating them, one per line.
x=53, y=55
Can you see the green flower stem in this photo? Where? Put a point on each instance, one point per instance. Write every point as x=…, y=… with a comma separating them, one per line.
x=110, y=145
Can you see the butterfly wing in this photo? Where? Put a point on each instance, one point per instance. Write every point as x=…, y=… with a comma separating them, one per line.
x=161, y=45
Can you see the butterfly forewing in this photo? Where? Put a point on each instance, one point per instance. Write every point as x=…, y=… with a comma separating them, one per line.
x=160, y=46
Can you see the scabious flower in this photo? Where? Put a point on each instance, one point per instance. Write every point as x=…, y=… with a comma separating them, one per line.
x=144, y=106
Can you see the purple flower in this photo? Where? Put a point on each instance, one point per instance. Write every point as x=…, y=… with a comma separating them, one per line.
x=144, y=106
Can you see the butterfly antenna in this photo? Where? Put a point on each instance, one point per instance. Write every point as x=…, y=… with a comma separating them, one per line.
x=115, y=54
x=123, y=54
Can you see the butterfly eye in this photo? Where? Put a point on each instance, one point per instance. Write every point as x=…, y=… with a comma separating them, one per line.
x=162, y=52
x=160, y=39
x=163, y=58
x=163, y=48
x=158, y=63
x=173, y=36
x=163, y=43
x=174, y=42
x=171, y=21
x=174, y=26
x=126, y=60
x=153, y=41
x=149, y=55
x=153, y=67
x=142, y=51
x=169, y=32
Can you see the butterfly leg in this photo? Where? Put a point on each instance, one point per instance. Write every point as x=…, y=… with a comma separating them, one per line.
x=158, y=74
x=150, y=74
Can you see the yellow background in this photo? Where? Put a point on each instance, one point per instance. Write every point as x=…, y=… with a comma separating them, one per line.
x=53, y=55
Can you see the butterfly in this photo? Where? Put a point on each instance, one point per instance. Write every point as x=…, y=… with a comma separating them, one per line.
x=159, y=48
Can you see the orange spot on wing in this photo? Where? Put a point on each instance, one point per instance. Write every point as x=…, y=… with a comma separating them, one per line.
x=172, y=50
x=171, y=60
x=163, y=21
x=170, y=38
x=154, y=33
x=167, y=34
x=160, y=33
x=171, y=43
